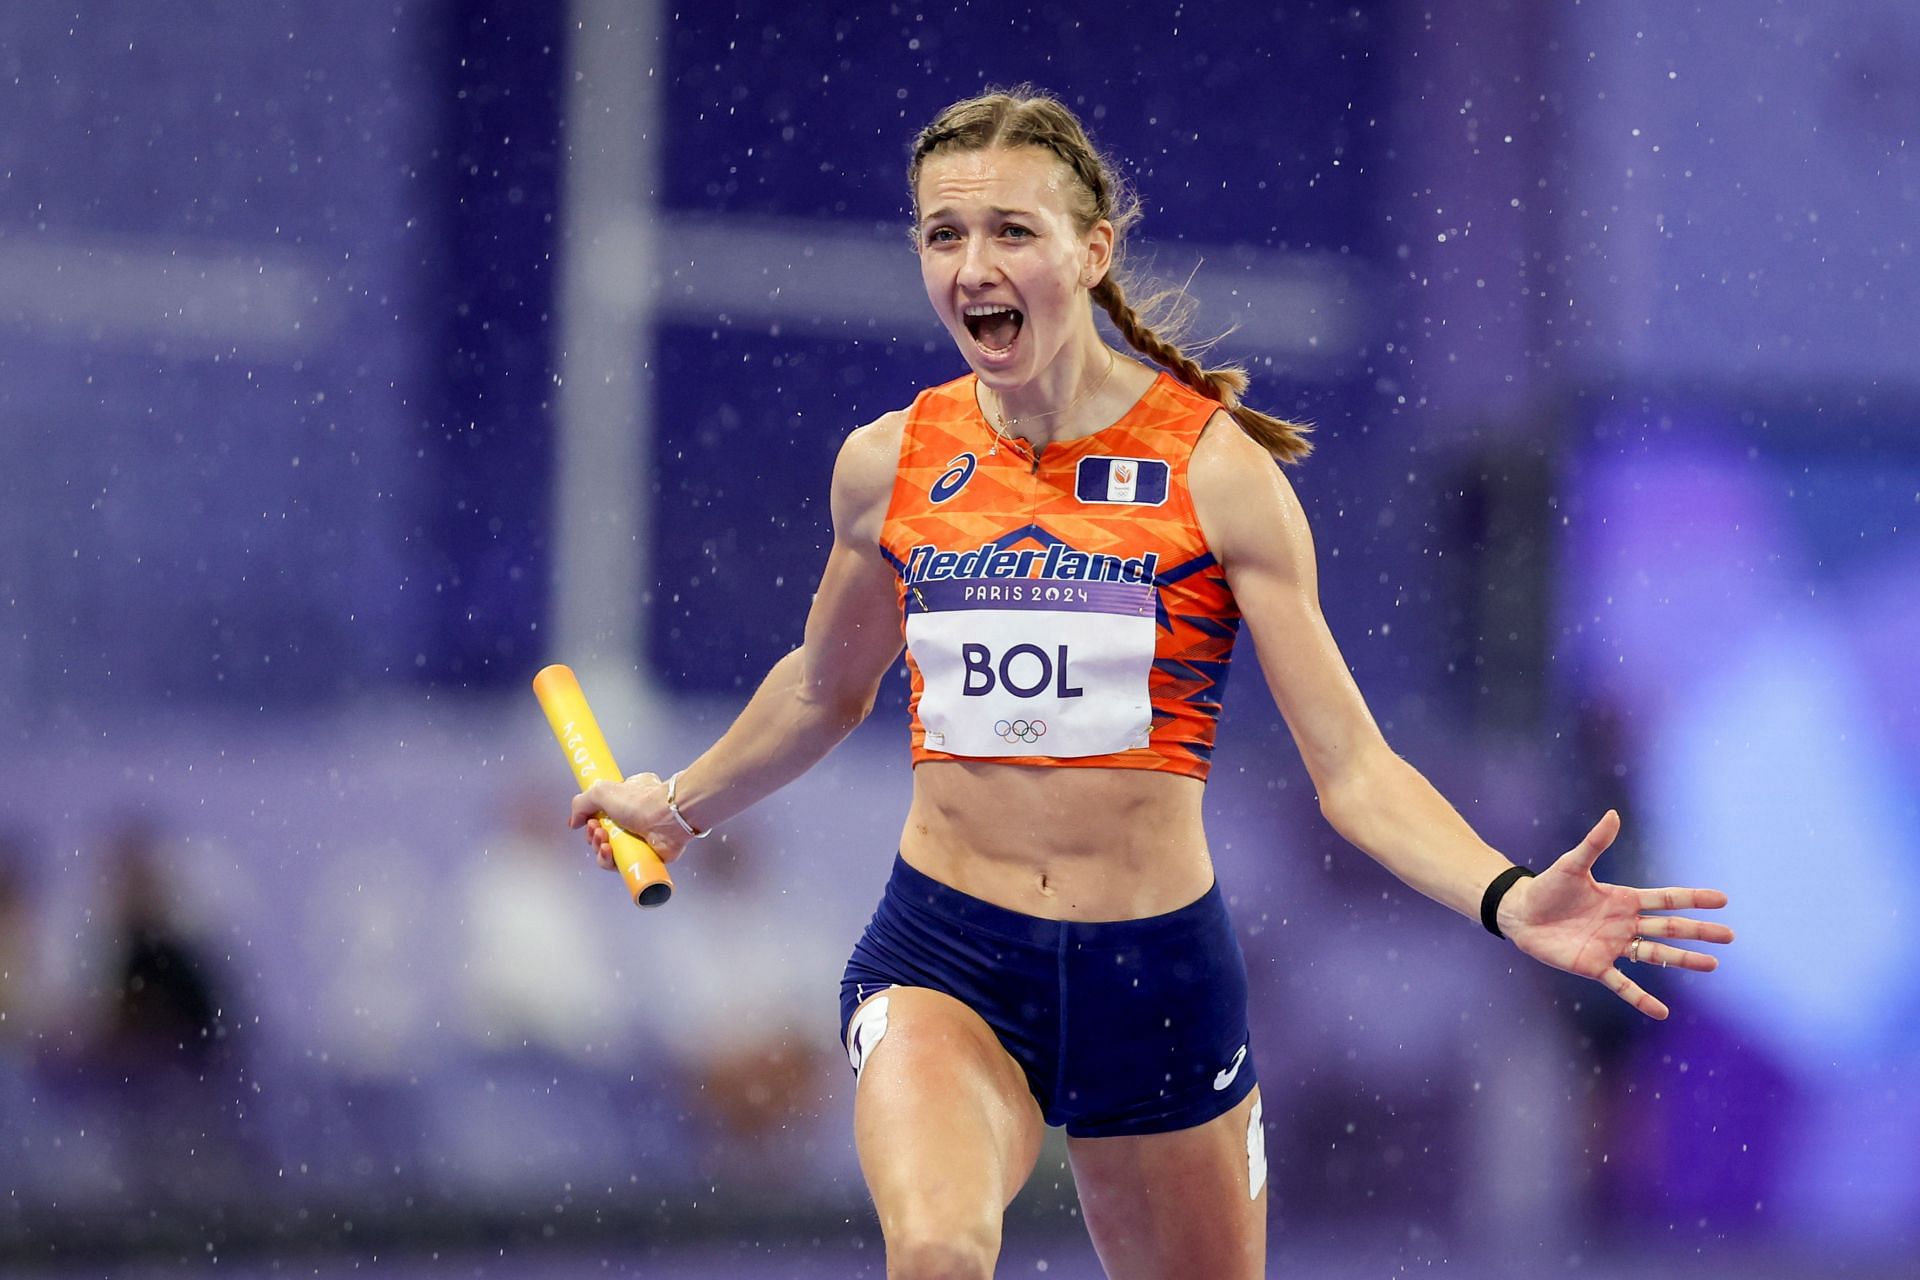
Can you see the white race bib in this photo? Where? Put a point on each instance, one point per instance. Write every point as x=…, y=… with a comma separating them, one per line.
x=1033, y=666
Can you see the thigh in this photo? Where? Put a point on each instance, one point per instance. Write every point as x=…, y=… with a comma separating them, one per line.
x=946, y=1127
x=1188, y=1203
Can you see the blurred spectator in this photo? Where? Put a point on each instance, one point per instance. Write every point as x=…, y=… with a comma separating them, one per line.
x=538, y=957
x=165, y=1011
x=742, y=986
x=554, y=1085
x=163, y=1053
x=23, y=1114
x=21, y=998
x=19, y=1001
x=375, y=928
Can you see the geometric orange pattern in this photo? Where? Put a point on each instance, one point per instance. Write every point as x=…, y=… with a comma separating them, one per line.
x=1018, y=501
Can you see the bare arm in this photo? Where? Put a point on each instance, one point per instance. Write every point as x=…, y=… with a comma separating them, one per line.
x=1379, y=802
x=813, y=697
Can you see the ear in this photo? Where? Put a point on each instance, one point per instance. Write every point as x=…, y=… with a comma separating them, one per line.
x=1098, y=258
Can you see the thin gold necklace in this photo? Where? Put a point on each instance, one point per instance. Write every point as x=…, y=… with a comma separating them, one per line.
x=1006, y=424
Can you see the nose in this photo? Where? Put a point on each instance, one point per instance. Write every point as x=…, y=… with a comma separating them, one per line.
x=979, y=263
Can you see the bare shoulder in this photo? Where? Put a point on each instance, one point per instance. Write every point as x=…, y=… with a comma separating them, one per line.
x=863, y=476
x=870, y=455
x=1242, y=497
x=1224, y=450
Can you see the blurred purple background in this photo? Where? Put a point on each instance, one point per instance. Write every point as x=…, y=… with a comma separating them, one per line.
x=356, y=360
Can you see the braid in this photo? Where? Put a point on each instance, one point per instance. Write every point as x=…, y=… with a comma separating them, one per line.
x=1025, y=117
x=1227, y=383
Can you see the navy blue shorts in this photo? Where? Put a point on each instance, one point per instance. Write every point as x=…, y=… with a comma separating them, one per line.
x=1122, y=1027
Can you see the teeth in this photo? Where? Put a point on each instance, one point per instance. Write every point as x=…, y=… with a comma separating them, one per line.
x=988, y=309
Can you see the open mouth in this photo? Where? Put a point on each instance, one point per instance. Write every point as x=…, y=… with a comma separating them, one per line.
x=994, y=327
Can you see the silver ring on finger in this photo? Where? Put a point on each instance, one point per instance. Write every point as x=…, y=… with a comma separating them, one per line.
x=1633, y=949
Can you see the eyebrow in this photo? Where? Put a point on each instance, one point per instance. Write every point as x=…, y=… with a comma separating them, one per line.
x=997, y=211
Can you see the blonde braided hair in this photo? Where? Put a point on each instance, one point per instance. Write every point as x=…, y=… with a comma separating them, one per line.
x=1025, y=117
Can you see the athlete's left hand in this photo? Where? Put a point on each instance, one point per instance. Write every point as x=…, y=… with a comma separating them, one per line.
x=1565, y=918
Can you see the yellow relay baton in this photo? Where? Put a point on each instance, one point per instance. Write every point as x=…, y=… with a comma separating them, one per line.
x=586, y=750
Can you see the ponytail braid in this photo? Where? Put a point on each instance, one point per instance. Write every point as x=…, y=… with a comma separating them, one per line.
x=1285, y=440
x=1025, y=117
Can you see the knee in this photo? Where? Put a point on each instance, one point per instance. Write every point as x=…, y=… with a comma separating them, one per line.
x=942, y=1251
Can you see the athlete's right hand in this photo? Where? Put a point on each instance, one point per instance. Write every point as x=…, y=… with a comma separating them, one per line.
x=640, y=805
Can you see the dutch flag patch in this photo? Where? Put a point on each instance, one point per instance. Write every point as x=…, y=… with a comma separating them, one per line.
x=1140, y=481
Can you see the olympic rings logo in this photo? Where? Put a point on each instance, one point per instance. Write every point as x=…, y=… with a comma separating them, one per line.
x=1028, y=731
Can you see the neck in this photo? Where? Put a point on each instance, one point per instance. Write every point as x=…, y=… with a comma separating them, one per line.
x=1059, y=403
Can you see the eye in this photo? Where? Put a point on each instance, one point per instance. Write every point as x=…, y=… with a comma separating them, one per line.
x=941, y=235
x=1017, y=231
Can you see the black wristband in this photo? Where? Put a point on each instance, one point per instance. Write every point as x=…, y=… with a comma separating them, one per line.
x=1490, y=900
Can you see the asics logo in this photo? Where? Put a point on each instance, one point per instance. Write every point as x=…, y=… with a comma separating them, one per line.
x=1225, y=1078
x=954, y=478
x=1021, y=730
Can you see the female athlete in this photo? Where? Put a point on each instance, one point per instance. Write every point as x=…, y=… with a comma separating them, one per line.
x=1067, y=541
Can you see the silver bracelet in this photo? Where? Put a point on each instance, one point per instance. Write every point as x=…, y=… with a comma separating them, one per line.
x=673, y=807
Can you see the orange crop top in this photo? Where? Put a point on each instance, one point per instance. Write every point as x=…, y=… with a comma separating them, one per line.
x=1060, y=609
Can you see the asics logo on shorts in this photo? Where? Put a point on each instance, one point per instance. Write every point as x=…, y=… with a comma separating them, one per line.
x=1225, y=1078
x=1021, y=730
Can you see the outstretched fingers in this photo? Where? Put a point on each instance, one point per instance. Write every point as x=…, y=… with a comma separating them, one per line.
x=1630, y=991
x=1643, y=949
x=1681, y=929
x=1683, y=900
x=1659, y=953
